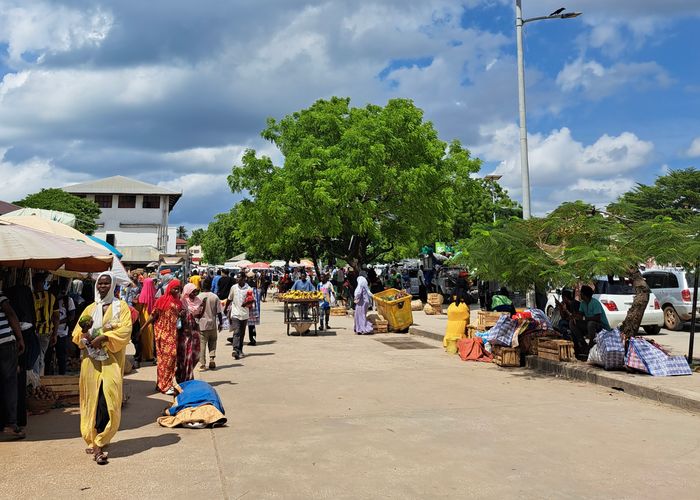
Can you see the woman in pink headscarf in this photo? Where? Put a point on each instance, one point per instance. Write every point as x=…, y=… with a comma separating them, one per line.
x=144, y=304
x=188, y=336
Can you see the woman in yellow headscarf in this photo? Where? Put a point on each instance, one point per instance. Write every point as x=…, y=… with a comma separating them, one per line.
x=457, y=316
x=103, y=332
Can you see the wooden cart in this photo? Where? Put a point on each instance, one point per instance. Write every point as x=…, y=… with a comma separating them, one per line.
x=301, y=314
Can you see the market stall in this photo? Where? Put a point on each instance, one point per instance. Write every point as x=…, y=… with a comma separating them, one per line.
x=301, y=311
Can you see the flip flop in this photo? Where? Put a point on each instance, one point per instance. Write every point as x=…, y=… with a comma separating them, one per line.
x=89, y=451
x=101, y=458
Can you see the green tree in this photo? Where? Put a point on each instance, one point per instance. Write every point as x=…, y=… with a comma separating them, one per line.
x=576, y=243
x=357, y=183
x=477, y=202
x=220, y=241
x=675, y=195
x=182, y=232
x=86, y=211
x=197, y=237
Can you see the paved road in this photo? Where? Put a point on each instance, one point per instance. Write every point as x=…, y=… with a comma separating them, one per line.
x=344, y=416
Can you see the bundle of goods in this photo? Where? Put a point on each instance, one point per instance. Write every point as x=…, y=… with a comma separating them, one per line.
x=40, y=399
x=435, y=300
x=608, y=351
x=647, y=357
x=416, y=305
x=432, y=310
x=398, y=294
x=474, y=350
x=298, y=295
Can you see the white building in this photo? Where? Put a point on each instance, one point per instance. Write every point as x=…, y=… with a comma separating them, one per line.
x=134, y=215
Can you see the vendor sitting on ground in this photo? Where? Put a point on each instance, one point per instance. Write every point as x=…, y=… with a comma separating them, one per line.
x=589, y=321
x=457, y=316
x=500, y=302
x=568, y=308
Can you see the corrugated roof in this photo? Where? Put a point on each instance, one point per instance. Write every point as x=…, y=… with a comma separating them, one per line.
x=122, y=185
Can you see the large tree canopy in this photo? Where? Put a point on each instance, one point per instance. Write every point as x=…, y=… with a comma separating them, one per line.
x=576, y=243
x=220, y=241
x=356, y=183
x=85, y=211
x=675, y=195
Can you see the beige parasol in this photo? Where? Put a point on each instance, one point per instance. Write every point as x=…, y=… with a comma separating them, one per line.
x=21, y=246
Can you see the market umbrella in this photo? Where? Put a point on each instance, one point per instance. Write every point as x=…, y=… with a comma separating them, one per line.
x=278, y=263
x=259, y=266
x=306, y=263
x=22, y=246
x=55, y=215
x=106, y=245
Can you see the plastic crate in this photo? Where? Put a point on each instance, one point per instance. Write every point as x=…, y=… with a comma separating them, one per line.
x=397, y=312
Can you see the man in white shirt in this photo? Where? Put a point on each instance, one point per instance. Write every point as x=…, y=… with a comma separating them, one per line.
x=239, y=300
x=207, y=325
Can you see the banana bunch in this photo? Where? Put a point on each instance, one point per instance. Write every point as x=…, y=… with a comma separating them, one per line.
x=299, y=295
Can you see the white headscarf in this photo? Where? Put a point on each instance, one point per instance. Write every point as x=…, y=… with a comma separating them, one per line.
x=362, y=285
x=109, y=299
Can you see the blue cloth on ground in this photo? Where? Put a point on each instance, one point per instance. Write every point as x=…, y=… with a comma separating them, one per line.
x=195, y=393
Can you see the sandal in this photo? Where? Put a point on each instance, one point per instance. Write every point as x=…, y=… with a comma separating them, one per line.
x=15, y=432
x=90, y=451
x=101, y=457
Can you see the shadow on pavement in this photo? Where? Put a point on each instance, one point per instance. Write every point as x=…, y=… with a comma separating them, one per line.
x=265, y=342
x=129, y=447
x=250, y=355
x=232, y=365
x=141, y=410
x=222, y=382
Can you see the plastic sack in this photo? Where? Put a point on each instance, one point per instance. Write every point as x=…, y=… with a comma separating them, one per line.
x=611, y=349
x=647, y=358
x=522, y=315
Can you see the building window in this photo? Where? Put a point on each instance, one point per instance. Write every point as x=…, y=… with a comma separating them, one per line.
x=111, y=239
x=103, y=200
x=127, y=201
x=151, y=201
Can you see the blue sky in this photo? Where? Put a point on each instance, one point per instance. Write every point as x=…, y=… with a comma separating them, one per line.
x=173, y=92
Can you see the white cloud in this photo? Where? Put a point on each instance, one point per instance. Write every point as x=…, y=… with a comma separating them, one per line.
x=694, y=149
x=562, y=168
x=31, y=176
x=597, y=81
x=37, y=28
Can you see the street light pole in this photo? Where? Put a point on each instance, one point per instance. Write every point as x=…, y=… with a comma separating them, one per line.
x=493, y=178
x=524, y=164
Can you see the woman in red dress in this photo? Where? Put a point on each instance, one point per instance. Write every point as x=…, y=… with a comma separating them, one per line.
x=188, y=344
x=167, y=311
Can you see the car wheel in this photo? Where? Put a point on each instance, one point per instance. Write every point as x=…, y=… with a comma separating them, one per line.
x=652, y=329
x=550, y=312
x=671, y=319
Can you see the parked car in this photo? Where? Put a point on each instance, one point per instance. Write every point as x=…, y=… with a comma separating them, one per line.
x=617, y=297
x=674, y=289
x=446, y=280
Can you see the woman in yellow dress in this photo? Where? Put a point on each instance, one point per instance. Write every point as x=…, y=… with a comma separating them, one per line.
x=103, y=332
x=457, y=317
x=146, y=303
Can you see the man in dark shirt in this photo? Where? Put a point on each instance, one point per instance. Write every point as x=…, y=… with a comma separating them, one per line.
x=224, y=285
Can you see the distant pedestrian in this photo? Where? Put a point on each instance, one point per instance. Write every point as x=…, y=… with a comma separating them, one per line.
x=326, y=288
x=188, y=340
x=239, y=301
x=196, y=279
x=208, y=331
x=422, y=286
x=362, y=297
x=11, y=347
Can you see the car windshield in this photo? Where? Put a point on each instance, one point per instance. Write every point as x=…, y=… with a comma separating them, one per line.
x=617, y=286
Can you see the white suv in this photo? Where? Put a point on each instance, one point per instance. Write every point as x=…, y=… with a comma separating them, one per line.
x=617, y=298
x=674, y=289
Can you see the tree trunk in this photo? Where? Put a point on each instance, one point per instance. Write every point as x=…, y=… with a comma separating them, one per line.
x=633, y=320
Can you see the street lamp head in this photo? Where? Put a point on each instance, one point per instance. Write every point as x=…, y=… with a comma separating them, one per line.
x=493, y=177
x=570, y=15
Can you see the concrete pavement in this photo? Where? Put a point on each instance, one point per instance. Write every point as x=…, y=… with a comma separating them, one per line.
x=346, y=416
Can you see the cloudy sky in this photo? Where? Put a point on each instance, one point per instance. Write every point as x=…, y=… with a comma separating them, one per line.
x=173, y=91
